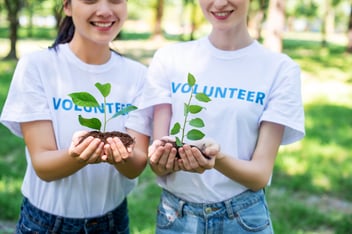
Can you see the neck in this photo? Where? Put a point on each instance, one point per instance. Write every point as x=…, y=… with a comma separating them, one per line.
x=91, y=53
x=230, y=40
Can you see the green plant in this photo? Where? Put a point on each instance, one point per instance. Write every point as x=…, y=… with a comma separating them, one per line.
x=85, y=99
x=189, y=108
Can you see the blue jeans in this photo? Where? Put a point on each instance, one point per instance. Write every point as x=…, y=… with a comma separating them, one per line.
x=244, y=213
x=33, y=220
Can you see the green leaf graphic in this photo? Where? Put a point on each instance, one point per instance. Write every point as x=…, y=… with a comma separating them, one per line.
x=84, y=99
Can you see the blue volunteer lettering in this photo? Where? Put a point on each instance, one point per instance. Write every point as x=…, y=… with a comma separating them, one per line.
x=68, y=105
x=221, y=92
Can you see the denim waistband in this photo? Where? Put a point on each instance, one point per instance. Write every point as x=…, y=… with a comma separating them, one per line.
x=56, y=223
x=230, y=206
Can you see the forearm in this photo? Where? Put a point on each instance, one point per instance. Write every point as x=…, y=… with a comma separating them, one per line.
x=254, y=174
x=56, y=164
x=250, y=174
x=134, y=165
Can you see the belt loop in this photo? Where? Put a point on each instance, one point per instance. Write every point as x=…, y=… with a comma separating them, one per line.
x=229, y=209
x=57, y=224
x=180, y=208
x=110, y=217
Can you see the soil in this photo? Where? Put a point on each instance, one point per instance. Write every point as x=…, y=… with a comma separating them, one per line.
x=126, y=139
x=177, y=147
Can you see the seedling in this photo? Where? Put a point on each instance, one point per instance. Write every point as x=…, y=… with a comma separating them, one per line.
x=85, y=99
x=190, y=109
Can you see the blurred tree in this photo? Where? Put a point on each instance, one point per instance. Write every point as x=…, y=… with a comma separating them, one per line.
x=159, y=12
x=256, y=17
x=13, y=8
x=306, y=10
x=328, y=19
x=57, y=9
x=349, y=32
x=275, y=25
x=193, y=17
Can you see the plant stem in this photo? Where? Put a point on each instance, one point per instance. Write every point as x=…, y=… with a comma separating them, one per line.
x=104, y=126
x=186, y=116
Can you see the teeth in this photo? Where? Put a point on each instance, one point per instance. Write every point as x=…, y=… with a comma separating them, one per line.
x=221, y=14
x=102, y=25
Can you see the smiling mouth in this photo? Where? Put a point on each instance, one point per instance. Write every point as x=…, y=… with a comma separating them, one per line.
x=222, y=14
x=103, y=25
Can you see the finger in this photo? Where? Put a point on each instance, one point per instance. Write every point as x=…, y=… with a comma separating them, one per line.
x=76, y=150
x=171, y=158
x=90, y=149
x=168, y=139
x=189, y=162
x=96, y=156
x=119, y=152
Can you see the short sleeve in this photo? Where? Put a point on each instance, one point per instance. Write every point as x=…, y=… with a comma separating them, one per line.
x=26, y=100
x=284, y=105
x=157, y=89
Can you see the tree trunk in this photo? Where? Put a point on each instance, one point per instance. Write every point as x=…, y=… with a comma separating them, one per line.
x=349, y=33
x=275, y=25
x=193, y=19
x=159, y=9
x=13, y=7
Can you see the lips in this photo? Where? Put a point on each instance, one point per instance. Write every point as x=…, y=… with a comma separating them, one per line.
x=103, y=24
x=222, y=14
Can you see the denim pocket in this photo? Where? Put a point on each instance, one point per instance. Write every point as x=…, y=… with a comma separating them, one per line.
x=254, y=217
x=167, y=214
x=25, y=226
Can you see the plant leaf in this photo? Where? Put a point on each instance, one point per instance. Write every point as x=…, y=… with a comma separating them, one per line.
x=194, y=109
x=104, y=88
x=125, y=111
x=191, y=80
x=202, y=97
x=197, y=122
x=175, y=129
x=178, y=142
x=93, y=123
x=84, y=99
x=195, y=134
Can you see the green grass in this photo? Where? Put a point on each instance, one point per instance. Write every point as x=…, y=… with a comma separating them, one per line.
x=311, y=185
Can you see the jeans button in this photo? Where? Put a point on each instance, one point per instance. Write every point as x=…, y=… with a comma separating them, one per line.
x=208, y=210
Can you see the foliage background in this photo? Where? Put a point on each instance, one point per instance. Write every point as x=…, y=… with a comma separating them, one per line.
x=312, y=180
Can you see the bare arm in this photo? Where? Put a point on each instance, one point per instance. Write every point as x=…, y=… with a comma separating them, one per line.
x=132, y=161
x=254, y=174
x=49, y=162
x=161, y=120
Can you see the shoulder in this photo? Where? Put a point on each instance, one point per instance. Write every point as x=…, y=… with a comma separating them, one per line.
x=43, y=59
x=278, y=58
x=178, y=47
x=129, y=62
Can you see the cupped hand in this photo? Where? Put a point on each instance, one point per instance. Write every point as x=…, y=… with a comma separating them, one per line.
x=193, y=160
x=162, y=156
x=208, y=146
x=115, y=151
x=89, y=151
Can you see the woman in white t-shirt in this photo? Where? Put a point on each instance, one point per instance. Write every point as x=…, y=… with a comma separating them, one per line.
x=72, y=187
x=255, y=107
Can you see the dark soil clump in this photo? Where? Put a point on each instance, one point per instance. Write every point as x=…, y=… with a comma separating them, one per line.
x=126, y=139
x=177, y=147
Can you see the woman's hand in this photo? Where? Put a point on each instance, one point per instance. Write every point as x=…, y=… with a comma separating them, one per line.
x=193, y=159
x=116, y=152
x=162, y=156
x=89, y=151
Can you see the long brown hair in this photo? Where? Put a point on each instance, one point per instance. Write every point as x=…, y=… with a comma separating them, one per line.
x=66, y=29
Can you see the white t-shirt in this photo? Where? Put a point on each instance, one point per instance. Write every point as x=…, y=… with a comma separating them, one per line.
x=247, y=86
x=39, y=91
